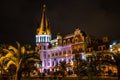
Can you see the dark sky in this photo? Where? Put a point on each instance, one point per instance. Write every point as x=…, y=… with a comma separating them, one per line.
x=20, y=18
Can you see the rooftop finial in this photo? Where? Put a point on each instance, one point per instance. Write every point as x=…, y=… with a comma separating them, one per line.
x=44, y=25
x=44, y=6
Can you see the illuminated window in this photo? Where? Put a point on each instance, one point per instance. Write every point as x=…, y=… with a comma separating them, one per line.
x=44, y=63
x=99, y=48
x=104, y=47
x=44, y=47
x=37, y=39
x=48, y=56
x=56, y=62
x=68, y=41
x=69, y=51
x=44, y=55
x=52, y=54
x=110, y=46
x=47, y=39
x=80, y=49
x=64, y=52
x=56, y=54
x=72, y=40
x=40, y=39
x=89, y=49
x=48, y=63
x=44, y=39
x=76, y=40
x=114, y=43
x=40, y=47
x=52, y=63
x=64, y=42
x=60, y=53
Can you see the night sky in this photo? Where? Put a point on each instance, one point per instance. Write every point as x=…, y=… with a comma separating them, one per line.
x=20, y=18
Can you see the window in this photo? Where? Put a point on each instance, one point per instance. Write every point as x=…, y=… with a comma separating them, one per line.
x=44, y=39
x=89, y=49
x=80, y=49
x=44, y=63
x=104, y=47
x=40, y=39
x=56, y=54
x=47, y=39
x=64, y=52
x=44, y=55
x=48, y=63
x=40, y=47
x=68, y=41
x=76, y=40
x=44, y=47
x=64, y=42
x=72, y=40
x=52, y=63
x=37, y=39
x=56, y=62
x=48, y=56
x=99, y=48
x=52, y=54
x=69, y=51
x=60, y=53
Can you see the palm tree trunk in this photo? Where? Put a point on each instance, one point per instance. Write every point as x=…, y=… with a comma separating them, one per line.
x=18, y=74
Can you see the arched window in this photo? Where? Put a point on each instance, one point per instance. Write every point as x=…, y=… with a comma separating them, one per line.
x=69, y=51
x=52, y=54
x=48, y=55
x=64, y=42
x=76, y=39
x=44, y=47
x=44, y=55
x=60, y=53
x=64, y=52
x=73, y=40
x=56, y=54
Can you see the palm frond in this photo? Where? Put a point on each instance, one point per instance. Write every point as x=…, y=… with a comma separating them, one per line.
x=18, y=44
x=32, y=59
x=23, y=50
x=10, y=63
x=18, y=48
x=2, y=59
x=9, y=54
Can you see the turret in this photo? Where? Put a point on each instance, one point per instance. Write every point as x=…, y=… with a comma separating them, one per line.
x=43, y=32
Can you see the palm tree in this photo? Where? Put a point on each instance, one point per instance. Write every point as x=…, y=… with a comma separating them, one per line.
x=62, y=66
x=17, y=56
x=2, y=53
x=113, y=61
x=78, y=63
x=117, y=63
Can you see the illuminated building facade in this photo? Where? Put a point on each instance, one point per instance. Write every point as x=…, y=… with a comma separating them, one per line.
x=52, y=51
x=115, y=46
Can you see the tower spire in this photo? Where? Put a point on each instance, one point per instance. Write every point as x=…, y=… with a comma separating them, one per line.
x=44, y=25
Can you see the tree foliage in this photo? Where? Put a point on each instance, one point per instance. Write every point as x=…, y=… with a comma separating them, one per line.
x=18, y=56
